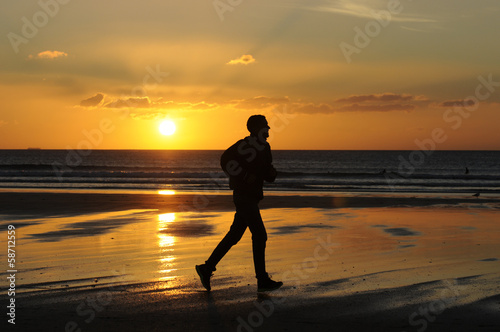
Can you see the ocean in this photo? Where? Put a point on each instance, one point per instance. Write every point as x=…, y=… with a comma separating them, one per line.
x=190, y=170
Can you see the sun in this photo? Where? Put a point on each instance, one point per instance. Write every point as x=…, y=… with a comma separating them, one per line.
x=167, y=127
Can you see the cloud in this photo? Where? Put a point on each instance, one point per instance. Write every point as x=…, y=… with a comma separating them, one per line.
x=311, y=108
x=378, y=108
x=384, y=102
x=201, y=106
x=260, y=102
x=385, y=97
x=242, y=60
x=367, y=9
x=2, y=123
x=147, y=115
x=133, y=102
x=92, y=101
x=158, y=109
x=325, y=108
x=143, y=108
x=48, y=55
x=457, y=103
x=184, y=105
x=413, y=29
x=360, y=103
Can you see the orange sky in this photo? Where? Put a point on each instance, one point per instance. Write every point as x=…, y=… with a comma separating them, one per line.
x=327, y=74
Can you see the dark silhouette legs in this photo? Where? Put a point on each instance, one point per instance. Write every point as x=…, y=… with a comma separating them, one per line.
x=247, y=215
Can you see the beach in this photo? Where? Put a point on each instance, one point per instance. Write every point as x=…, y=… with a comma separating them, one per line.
x=124, y=261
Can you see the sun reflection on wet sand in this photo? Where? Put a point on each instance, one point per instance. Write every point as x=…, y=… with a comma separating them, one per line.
x=166, y=244
x=166, y=192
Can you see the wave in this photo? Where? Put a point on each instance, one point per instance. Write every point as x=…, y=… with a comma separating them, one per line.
x=389, y=175
x=92, y=168
x=152, y=173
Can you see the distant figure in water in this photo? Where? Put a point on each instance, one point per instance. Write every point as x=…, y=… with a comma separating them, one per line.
x=466, y=170
x=476, y=195
x=248, y=163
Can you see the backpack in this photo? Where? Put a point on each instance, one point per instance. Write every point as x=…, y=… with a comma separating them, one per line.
x=230, y=161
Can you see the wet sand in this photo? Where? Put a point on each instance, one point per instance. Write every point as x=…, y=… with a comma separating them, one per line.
x=125, y=262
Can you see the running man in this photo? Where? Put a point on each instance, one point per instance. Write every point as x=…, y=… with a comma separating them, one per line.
x=248, y=163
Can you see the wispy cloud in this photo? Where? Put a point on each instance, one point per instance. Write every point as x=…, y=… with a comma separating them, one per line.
x=143, y=107
x=49, y=55
x=133, y=102
x=368, y=9
x=326, y=108
x=147, y=115
x=260, y=102
x=245, y=59
x=457, y=103
x=412, y=29
x=311, y=108
x=384, y=97
x=385, y=102
x=378, y=107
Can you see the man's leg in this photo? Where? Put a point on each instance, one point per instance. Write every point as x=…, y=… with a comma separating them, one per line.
x=232, y=237
x=248, y=209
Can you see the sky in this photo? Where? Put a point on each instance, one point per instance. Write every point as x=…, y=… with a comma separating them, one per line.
x=328, y=74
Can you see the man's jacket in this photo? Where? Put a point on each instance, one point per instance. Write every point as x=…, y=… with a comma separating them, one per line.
x=248, y=163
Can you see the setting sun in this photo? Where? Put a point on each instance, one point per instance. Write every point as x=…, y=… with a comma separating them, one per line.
x=167, y=128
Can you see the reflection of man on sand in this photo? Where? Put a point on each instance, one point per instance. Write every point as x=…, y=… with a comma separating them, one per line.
x=248, y=163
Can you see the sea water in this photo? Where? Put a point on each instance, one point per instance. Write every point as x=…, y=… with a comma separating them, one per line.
x=304, y=170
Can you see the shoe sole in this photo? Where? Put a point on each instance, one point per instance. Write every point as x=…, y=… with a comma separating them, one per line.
x=269, y=289
x=201, y=278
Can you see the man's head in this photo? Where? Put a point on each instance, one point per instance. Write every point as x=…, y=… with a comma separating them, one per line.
x=257, y=126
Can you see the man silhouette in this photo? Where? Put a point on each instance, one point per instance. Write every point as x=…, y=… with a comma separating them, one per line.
x=248, y=163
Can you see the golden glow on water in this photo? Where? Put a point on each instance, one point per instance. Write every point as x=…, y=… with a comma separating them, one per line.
x=164, y=219
x=166, y=243
x=167, y=259
x=166, y=278
x=166, y=192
